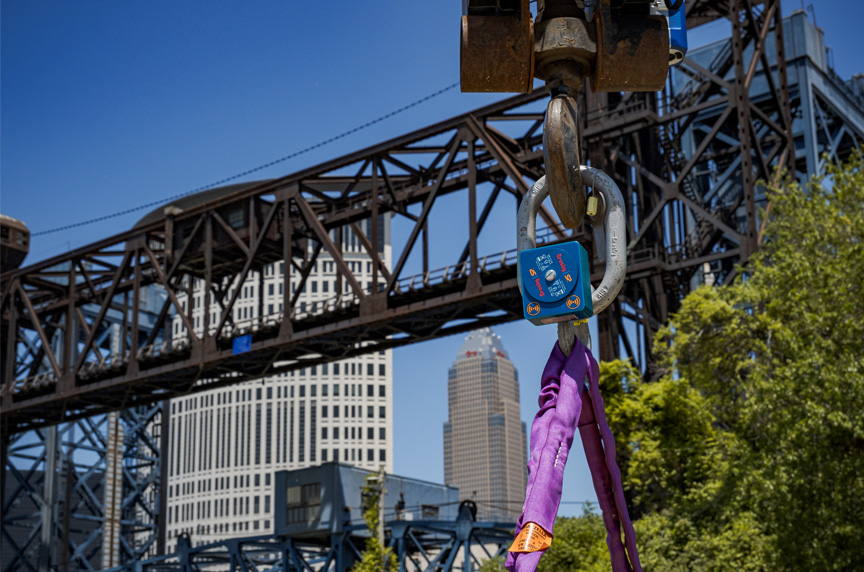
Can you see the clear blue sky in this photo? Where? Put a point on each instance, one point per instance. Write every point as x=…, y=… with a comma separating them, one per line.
x=109, y=105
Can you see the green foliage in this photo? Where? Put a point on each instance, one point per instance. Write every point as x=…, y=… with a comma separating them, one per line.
x=668, y=445
x=578, y=544
x=375, y=557
x=678, y=543
x=493, y=565
x=747, y=453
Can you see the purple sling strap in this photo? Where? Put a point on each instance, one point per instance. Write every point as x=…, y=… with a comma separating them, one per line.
x=566, y=404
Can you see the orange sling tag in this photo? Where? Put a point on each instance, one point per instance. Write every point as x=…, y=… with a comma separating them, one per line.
x=532, y=538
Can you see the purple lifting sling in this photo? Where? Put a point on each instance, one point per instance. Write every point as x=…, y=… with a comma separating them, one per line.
x=565, y=404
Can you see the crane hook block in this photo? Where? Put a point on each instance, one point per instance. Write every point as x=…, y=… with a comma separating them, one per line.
x=555, y=283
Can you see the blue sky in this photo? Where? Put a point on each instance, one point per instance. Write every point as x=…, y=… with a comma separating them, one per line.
x=108, y=105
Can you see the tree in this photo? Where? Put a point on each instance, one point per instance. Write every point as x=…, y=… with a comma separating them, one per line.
x=375, y=557
x=579, y=543
x=495, y=564
x=779, y=359
x=748, y=452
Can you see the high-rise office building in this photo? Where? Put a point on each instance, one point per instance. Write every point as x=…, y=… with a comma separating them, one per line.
x=485, y=448
x=226, y=444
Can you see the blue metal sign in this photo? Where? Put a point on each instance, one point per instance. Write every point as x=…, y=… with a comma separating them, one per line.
x=242, y=344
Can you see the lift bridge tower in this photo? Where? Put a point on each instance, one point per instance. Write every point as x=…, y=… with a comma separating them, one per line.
x=79, y=343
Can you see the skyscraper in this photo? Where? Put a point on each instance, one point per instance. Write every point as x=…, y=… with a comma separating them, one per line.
x=485, y=448
x=226, y=444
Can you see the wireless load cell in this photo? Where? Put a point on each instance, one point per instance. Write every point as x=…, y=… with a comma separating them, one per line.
x=555, y=284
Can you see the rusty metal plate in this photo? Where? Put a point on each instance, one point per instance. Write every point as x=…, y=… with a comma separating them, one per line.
x=632, y=52
x=497, y=54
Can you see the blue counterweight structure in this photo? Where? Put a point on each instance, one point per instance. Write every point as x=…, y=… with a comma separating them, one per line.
x=319, y=528
x=86, y=495
x=827, y=124
x=830, y=119
x=827, y=118
x=83, y=495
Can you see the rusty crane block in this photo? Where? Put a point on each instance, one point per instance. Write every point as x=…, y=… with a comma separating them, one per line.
x=497, y=47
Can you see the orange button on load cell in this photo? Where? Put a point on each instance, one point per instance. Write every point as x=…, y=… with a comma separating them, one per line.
x=533, y=309
x=531, y=538
x=573, y=302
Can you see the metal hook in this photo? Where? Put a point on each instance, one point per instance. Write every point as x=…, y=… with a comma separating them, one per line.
x=562, y=155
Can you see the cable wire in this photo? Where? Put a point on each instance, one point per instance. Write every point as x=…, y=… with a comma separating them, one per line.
x=254, y=169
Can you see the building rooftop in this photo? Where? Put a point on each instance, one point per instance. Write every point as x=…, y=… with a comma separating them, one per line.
x=484, y=342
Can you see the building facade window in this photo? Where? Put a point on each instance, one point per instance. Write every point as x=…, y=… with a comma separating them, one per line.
x=313, y=430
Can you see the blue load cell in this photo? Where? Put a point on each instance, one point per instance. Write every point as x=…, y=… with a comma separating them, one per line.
x=555, y=284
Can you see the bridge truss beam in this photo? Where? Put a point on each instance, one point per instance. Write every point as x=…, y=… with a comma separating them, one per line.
x=422, y=546
x=84, y=495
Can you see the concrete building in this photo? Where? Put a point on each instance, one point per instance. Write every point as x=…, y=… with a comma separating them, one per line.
x=485, y=448
x=225, y=445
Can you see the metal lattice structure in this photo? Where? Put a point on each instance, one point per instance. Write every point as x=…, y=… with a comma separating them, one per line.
x=291, y=219
x=83, y=495
x=422, y=546
x=77, y=342
x=705, y=120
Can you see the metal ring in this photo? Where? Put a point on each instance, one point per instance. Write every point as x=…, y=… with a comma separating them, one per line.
x=613, y=221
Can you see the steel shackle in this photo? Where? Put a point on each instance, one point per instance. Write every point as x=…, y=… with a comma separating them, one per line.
x=613, y=222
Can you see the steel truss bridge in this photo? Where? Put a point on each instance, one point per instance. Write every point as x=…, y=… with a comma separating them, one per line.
x=78, y=343
x=422, y=546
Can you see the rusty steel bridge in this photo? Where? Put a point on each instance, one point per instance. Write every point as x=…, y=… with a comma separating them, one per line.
x=57, y=365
